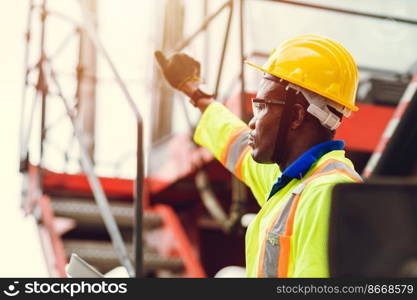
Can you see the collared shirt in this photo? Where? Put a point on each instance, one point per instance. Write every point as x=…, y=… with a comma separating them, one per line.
x=302, y=164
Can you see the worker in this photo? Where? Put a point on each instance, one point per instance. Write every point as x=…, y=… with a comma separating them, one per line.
x=286, y=155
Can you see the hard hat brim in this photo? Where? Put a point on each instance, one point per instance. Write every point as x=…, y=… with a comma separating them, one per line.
x=297, y=82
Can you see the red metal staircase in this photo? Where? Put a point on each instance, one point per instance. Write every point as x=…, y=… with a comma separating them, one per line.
x=70, y=222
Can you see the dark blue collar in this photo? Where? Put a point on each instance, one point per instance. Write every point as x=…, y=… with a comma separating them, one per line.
x=302, y=164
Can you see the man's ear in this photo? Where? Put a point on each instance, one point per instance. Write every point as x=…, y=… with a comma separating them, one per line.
x=298, y=116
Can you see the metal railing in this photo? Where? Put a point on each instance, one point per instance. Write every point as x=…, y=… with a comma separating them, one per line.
x=228, y=222
x=137, y=236
x=346, y=11
x=46, y=71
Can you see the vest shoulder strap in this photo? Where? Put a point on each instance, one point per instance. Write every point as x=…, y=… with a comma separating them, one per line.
x=328, y=167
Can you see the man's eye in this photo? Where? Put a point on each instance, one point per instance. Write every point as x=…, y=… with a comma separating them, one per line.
x=259, y=106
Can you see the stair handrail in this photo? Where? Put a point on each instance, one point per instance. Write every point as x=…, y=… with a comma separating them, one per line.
x=137, y=237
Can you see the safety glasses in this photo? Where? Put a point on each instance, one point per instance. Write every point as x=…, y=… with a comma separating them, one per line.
x=259, y=105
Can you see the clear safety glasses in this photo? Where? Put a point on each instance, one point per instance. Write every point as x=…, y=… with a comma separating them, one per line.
x=259, y=105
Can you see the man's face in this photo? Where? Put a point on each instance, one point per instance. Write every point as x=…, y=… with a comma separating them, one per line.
x=265, y=122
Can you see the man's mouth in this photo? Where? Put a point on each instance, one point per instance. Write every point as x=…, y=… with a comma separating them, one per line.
x=251, y=140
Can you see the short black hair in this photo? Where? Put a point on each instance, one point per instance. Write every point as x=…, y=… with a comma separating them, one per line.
x=324, y=133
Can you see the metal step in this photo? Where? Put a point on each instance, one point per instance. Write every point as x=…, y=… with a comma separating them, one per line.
x=86, y=212
x=387, y=92
x=102, y=256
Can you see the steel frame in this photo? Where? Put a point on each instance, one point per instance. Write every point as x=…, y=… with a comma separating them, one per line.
x=45, y=69
x=46, y=78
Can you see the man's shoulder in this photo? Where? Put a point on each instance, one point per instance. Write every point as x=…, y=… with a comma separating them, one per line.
x=328, y=181
x=317, y=193
x=336, y=168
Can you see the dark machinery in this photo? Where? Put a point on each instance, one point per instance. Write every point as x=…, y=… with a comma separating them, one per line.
x=373, y=229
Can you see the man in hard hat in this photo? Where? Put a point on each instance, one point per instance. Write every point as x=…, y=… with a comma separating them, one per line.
x=287, y=155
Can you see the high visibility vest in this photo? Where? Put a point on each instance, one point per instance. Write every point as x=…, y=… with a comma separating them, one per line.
x=288, y=237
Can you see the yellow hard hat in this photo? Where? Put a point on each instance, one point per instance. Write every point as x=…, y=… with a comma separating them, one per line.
x=318, y=64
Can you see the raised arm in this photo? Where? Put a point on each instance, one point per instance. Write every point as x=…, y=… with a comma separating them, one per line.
x=219, y=130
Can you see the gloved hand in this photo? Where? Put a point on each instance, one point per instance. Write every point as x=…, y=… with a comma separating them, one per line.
x=179, y=69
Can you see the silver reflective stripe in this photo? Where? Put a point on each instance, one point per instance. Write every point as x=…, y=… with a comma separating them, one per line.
x=235, y=150
x=330, y=167
x=340, y=165
x=272, y=244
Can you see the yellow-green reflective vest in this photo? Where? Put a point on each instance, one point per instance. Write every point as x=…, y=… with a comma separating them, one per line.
x=288, y=237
